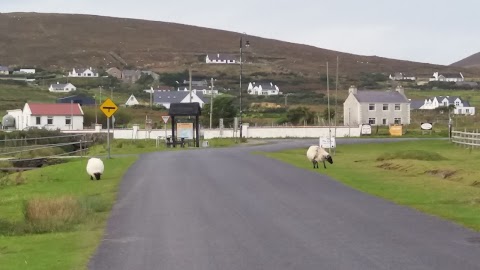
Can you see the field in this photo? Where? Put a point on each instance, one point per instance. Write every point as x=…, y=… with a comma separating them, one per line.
x=432, y=176
x=54, y=217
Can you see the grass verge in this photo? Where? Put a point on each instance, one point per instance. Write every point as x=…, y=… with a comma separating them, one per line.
x=432, y=176
x=125, y=146
x=55, y=218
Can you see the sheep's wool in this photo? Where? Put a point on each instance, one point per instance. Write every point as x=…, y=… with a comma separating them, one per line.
x=312, y=152
x=95, y=165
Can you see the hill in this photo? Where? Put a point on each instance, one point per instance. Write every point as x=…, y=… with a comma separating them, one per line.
x=469, y=62
x=62, y=41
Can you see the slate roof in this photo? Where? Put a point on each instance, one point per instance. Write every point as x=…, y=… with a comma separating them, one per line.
x=416, y=104
x=52, y=109
x=365, y=96
x=2, y=68
x=173, y=96
x=221, y=57
x=265, y=85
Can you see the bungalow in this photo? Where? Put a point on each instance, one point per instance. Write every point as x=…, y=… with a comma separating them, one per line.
x=4, y=70
x=220, y=59
x=376, y=107
x=460, y=106
x=263, y=89
x=399, y=76
x=62, y=88
x=49, y=115
x=83, y=72
x=447, y=77
x=27, y=70
x=204, y=90
x=165, y=98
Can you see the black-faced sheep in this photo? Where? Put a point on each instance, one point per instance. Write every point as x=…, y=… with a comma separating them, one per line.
x=95, y=168
x=316, y=153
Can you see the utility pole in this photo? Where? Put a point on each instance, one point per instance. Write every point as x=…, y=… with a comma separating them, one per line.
x=241, y=71
x=190, y=83
x=328, y=112
x=211, y=104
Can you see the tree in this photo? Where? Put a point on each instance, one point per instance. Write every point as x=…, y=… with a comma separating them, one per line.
x=223, y=107
x=325, y=114
x=300, y=115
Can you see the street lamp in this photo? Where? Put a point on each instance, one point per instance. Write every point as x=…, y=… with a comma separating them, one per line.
x=247, y=44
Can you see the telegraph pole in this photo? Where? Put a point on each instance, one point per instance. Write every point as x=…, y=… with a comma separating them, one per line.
x=190, y=83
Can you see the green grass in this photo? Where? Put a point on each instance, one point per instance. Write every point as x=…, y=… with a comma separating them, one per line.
x=64, y=247
x=432, y=176
x=127, y=146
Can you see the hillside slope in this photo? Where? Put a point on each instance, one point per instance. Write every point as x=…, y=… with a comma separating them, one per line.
x=469, y=62
x=61, y=41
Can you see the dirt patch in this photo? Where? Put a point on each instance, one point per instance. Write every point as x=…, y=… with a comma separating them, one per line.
x=444, y=174
x=389, y=166
x=475, y=183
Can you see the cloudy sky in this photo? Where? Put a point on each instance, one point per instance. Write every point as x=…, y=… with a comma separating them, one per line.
x=438, y=32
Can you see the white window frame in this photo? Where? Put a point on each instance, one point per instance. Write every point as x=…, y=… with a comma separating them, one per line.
x=372, y=122
x=371, y=105
x=38, y=120
x=398, y=107
x=383, y=107
x=50, y=120
x=397, y=121
x=67, y=120
x=385, y=121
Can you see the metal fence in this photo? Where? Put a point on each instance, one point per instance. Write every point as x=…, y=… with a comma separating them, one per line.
x=465, y=138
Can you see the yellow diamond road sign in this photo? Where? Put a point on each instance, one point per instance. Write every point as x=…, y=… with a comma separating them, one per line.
x=108, y=107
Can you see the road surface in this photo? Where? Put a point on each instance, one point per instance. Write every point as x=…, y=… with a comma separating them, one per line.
x=226, y=209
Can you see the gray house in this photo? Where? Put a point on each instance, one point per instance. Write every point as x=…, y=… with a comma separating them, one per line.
x=376, y=107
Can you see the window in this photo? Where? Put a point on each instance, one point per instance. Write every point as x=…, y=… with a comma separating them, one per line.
x=38, y=120
x=384, y=121
x=371, y=107
x=397, y=107
x=50, y=120
x=385, y=107
x=371, y=121
x=68, y=120
x=398, y=121
x=467, y=110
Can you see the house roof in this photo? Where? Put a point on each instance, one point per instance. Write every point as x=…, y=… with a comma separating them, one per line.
x=173, y=96
x=60, y=86
x=450, y=75
x=81, y=70
x=416, y=104
x=221, y=57
x=265, y=85
x=53, y=109
x=2, y=68
x=380, y=96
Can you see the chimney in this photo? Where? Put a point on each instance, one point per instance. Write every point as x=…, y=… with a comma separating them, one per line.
x=352, y=90
x=218, y=55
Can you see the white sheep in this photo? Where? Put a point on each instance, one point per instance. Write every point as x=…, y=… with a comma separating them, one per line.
x=316, y=153
x=95, y=168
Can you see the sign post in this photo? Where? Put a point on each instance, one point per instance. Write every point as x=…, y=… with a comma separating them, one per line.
x=165, y=120
x=108, y=108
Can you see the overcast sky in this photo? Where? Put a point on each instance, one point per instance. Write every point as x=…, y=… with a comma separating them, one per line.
x=438, y=32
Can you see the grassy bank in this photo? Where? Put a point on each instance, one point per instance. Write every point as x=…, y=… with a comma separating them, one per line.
x=54, y=217
x=434, y=176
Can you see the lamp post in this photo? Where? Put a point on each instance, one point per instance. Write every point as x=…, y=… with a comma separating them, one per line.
x=247, y=43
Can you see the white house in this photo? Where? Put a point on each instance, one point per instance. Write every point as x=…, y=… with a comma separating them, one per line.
x=204, y=90
x=4, y=70
x=62, y=88
x=49, y=115
x=132, y=100
x=27, y=70
x=399, y=76
x=83, y=72
x=265, y=89
x=165, y=98
x=447, y=77
x=461, y=106
x=220, y=59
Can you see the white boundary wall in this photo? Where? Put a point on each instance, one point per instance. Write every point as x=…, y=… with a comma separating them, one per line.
x=248, y=132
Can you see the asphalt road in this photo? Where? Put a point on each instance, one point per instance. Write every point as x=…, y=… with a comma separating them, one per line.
x=225, y=209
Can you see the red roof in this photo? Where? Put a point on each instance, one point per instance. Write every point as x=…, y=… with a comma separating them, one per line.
x=51, y=109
